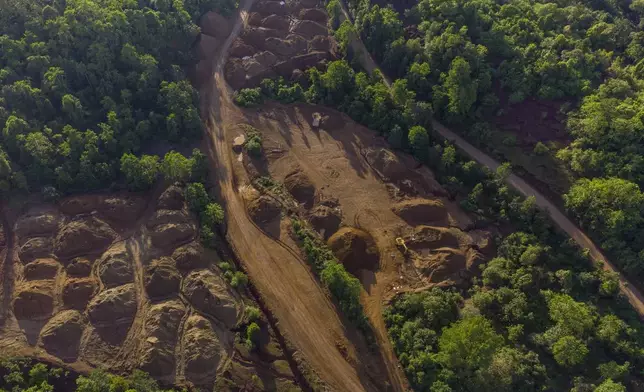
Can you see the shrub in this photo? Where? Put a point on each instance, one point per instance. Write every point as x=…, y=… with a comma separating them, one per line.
x=248, y=97
x=252, y=335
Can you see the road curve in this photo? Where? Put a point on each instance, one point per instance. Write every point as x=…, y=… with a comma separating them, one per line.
x=305, y=314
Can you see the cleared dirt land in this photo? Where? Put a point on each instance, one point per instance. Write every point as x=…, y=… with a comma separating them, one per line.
x=120, y=281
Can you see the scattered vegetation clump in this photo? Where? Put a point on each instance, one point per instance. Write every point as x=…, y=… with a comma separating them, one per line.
x=26, y=375
x=253, y=141
x=344, y=287
x=248, y=97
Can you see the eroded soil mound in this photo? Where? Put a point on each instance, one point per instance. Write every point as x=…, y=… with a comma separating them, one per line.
x=115, y=267
x=355, y=248
x=300, y=187
x=123, y=208
x=421, y=211
x=202, y=349
x=189, y=257
x=264, y=209
x=78, y=292
x=113, y=305
x=82, y=237
x=41, y=269
x=162, y=278
x=171, y=235
x=79, y=267
x=62, y=334
x=161, y=327
x=35, y=248
x=443, y=264
x=326, y=220
x=33, y=225
x=385, y=162
x=172, y=198
x=432, y=237
x=34, y=300
x=210, y=294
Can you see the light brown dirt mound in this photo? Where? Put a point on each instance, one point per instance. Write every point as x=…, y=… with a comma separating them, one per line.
x=385, y=162
x=265, y=59
x=474, y=261
x=82, y=237
x=267, y=7
x=35, y=248
x=264, y=209
x=241, y=49
x=483, y=241
x=276, y=22
x=162, y=278
x=202, y=350
x=34, y=300
x=29, y=226
x=115, y=267
x=309, y=29
x=257, y=36
x=208, y=293
x=314, y=14
x=443, y=264
x=431, y=237
x=164, y=217
x=235, y=73
x=78, y=292
x=304, y=61
x=325, y=220
x=123, y=209
x=420, y=211
x=79, y=267
x=320, y=43
x=113, y=305
x=172, y=199
x=301, y=188
x=280, y=46
x=355, y=249
x=62, y=334
x=190, y=257
x=79, y=204
x=214, y=24
x=252, y=67
x=41, y=269
x=255, y=19
x=171, y=235
x=161, y=327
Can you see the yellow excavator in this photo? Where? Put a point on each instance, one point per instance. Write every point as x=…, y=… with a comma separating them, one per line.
x=401, y=245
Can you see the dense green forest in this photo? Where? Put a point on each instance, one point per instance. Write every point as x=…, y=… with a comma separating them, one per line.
x=466, y=60
x=84, y=84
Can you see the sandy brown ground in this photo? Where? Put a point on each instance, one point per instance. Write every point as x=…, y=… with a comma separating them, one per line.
x=305, y=314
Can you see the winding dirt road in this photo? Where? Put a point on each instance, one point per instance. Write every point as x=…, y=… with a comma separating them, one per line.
x=634, y=295
x=305, y=315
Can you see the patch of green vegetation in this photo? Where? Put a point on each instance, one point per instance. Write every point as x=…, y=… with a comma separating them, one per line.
x=248, y=97
x=344, y=287
x=25, y=375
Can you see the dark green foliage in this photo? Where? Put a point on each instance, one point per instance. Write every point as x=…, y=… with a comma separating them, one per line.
x=140, y=173
x=83, y=83
x=253, y=142
x=344, y=287
x=20, y=375
x=248, y=97
x=252, y=335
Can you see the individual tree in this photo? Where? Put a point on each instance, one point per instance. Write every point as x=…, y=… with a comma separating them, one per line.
x=610, y=386
x=197, y=197
x=419, y=141
x=140, y=173
x=569, y=351
x=468, y=345
x=175, y=167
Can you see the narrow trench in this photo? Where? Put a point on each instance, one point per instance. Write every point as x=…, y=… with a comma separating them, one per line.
x=300, y=379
